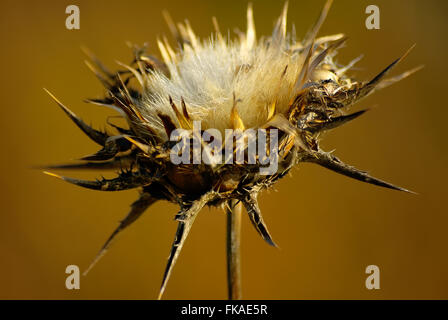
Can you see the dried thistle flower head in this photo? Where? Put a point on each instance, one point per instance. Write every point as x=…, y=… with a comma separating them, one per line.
x=276, y=83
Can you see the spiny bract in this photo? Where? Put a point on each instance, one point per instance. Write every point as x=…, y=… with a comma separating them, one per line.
x=274, y=82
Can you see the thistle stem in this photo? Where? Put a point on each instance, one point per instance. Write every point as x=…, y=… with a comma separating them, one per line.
x=234, y=249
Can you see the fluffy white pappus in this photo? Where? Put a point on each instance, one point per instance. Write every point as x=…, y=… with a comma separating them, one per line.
x=215, y=75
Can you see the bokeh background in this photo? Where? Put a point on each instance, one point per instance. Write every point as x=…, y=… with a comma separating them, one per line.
x=329, y=227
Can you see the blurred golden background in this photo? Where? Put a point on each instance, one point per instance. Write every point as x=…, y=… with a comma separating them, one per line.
x=329, y=227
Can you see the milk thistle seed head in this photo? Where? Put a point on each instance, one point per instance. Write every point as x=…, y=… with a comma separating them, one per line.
x=272, y=83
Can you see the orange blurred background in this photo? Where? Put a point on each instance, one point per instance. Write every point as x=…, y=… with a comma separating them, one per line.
x=329, y=227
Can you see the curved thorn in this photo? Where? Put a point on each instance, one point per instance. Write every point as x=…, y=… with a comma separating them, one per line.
x=97, y=136
x=186, y=220
x=387, y=82
x=137, y=209
x=376, y=80
x=113, y=145
x=123, y=182
x=332, y=163
x=336, y=122
x=101, y=155
x=121, y=130
x=250, y=202
x=116, y=163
